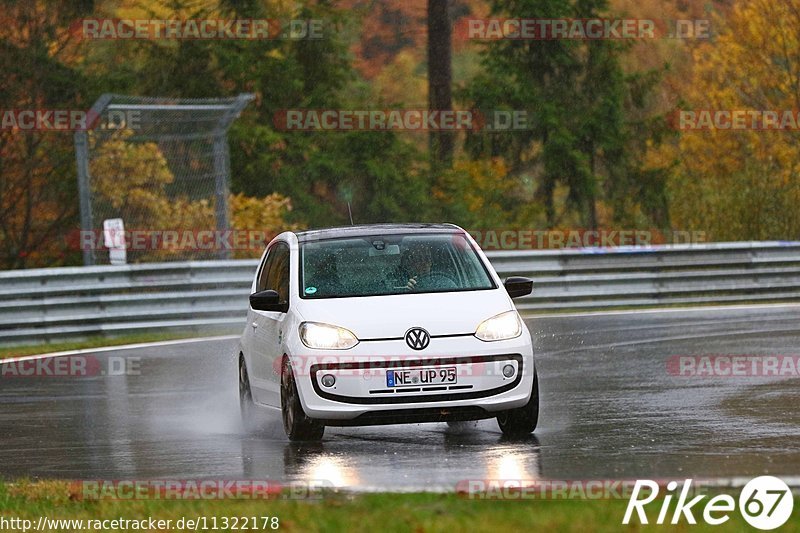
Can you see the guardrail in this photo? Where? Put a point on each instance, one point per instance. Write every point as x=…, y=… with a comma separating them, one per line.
x=46, y=305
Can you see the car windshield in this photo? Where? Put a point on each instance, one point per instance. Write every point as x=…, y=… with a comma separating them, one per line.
x=390, y=264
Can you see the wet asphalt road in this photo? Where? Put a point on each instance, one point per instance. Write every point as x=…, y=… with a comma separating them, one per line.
x=609, y=410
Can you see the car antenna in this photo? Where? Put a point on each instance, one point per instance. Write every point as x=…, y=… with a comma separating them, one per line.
x=350, y=211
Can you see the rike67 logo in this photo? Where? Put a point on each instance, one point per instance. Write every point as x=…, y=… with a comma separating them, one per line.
x=765, y=503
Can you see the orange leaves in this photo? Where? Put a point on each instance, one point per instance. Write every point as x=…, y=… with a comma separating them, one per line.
x=745, y=182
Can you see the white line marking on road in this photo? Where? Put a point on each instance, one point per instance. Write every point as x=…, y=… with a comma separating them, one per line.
x=663, y=310
x=116, y=348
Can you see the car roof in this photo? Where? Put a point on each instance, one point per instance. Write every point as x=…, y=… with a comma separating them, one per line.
x=363, y=230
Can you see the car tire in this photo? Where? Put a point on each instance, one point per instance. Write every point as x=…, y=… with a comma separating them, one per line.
x=297, y=425
x=246, y=405
x=522, y=420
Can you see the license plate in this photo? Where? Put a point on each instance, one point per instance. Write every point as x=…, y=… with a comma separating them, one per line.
x=410, y=377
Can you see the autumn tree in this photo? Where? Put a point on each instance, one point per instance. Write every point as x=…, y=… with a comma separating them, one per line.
x=583, y=145
x=440, y=78
x=742, y=184
x=37, y=168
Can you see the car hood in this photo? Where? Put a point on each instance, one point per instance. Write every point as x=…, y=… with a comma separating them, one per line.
x=384, y=317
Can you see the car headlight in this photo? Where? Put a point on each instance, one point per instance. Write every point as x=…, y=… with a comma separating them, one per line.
x=500, y=327
x=326, y=336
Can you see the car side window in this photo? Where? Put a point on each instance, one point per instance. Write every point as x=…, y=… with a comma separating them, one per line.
x=261, y=285
x=278, y=271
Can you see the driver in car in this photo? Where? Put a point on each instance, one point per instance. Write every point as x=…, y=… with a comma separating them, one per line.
x=421, y=276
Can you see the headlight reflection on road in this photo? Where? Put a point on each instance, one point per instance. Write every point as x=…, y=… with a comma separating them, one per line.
x=330, y=471
x=509, y=465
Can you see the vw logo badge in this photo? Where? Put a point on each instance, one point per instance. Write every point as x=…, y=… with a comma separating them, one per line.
x=417, y=338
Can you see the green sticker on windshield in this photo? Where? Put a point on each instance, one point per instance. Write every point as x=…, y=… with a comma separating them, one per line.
x=311, y=290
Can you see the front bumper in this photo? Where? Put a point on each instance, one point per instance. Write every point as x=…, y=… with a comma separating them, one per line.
x=362, y=394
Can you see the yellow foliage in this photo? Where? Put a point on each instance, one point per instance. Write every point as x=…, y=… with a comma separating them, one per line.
x=745, y=183
x=401, y=81
x=131, y=180
x=260, y=214
x=474, y=190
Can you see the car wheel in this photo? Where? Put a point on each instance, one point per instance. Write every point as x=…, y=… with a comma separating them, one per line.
x=297, y=425
x=246, y=405
x=522, y=420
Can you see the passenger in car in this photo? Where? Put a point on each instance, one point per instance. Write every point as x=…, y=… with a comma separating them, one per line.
x=422, y=277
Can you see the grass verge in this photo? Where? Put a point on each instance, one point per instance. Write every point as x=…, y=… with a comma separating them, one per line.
x=417, y=512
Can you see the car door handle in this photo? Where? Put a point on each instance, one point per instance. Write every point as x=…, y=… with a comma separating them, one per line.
x=254, y=324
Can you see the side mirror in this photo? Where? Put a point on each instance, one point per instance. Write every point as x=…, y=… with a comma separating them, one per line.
x=517, y=286
x=268, y=300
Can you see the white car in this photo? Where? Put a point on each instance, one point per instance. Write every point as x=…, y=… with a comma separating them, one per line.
x=385, y=324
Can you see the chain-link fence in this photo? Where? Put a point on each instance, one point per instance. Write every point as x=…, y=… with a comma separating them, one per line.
x=162, y=166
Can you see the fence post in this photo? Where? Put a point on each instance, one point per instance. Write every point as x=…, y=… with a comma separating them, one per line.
x=84, y=192
x=222, y=176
